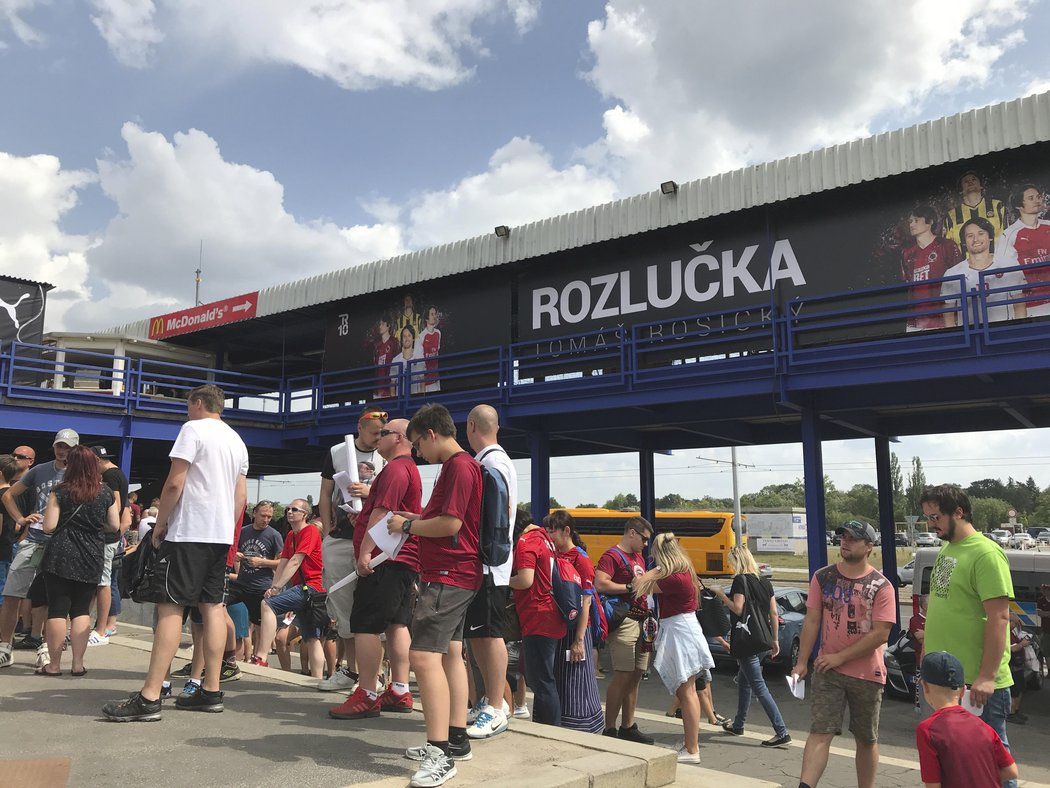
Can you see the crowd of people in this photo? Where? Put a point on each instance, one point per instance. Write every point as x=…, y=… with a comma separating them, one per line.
x=475, y=623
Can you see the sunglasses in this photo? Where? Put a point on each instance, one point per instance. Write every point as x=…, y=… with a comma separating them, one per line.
x=295, y=509
x=384, y=433
x=381, y=415
x=263, y=503
x=23, y=457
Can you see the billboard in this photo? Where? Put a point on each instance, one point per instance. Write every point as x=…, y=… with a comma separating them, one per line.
x=959, y=219
x=21, y=311
x=216, y=313
x=413, y=327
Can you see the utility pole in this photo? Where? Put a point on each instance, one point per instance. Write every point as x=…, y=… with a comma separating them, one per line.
x=197, y=289
x=738, y=520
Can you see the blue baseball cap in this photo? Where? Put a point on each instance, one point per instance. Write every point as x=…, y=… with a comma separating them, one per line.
x=943, y=669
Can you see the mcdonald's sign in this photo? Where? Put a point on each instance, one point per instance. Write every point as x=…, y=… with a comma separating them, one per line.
x=217, y=313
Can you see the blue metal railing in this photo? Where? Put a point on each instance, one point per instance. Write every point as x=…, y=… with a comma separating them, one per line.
x=874, y=327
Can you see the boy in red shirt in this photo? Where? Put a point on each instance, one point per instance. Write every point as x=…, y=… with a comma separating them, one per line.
x=450, y=575
x=957, y=749
x=542, y=624
x=300, y=563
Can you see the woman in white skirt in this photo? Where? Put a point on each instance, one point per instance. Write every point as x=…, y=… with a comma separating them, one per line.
x=681, y=648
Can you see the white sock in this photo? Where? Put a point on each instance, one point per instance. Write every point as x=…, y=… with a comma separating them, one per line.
x=195, y=681
x=166, y=684
x=371, y=695
x=399, y=688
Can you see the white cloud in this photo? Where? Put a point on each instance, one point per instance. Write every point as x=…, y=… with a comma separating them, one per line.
x=358, y=44
x=11, y=12
x=521, y=185
x=699, y=93
x=35, y=194
x=173, y=194
x=128, y=28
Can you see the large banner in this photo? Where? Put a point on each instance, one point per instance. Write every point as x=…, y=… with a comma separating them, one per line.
x=960, y=219
x=412, y=328
x=21, y=311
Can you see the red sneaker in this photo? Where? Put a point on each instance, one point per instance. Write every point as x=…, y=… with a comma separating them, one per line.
x=262, y=663
x=391, y=701
x=356, y=707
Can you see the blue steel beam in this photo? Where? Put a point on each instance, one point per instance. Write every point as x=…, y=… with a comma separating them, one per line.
x=647, y=484
x=813, y=464
x=540, y=455
x=887, y=527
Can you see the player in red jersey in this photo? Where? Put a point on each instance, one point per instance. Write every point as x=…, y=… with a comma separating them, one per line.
x=386, y=348
x=428, y=347
x=928, y=257
x=1027, y=242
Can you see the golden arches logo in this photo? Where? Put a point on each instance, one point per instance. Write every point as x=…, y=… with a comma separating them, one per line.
x=156, y=326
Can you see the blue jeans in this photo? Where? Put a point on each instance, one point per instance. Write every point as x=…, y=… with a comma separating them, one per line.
x=4, y=566
x=994, y=715
x=750, y=681
x=293, y=598
x=539, y=653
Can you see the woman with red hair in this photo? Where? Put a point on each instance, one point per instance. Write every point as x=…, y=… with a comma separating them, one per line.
x=77, y=513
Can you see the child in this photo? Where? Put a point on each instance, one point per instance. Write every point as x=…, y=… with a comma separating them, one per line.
x=956, y=748
x=681, y=648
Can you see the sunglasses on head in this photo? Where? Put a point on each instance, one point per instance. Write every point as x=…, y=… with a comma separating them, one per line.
x=263, y=503
x=381, y=415
x=23, y=457
x=295, y=509
x=384, y=433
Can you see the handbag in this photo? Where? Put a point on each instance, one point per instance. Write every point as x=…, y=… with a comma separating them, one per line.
x=315, y=611
x=36, y=560
x=751, y=633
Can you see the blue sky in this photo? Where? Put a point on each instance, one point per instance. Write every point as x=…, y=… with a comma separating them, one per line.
x=295, y=138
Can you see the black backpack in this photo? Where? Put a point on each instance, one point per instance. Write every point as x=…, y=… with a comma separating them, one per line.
x=494, y=528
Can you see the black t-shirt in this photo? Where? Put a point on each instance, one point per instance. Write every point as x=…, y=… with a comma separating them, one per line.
x=7, y=532
x=118, y=483
x=76, y=550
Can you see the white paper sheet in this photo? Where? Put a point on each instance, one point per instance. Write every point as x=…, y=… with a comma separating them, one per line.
x=967, y=704
x=385, y=541
x=351, y=472
x=797, y=686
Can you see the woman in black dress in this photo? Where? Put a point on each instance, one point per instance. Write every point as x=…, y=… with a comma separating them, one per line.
x=77, y=513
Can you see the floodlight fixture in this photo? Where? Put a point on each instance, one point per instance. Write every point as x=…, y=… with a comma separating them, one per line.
x=502, y=231
x=669, y=187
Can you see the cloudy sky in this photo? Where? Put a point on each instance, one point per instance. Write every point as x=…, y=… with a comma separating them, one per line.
x=294, y=138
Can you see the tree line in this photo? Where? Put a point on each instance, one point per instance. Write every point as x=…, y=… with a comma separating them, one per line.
x=991, y=499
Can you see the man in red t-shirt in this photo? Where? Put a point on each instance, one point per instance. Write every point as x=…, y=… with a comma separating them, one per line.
x=450, y=575
x=542, y=624
x=613, y=576
x=301, y=564
x=384, y=595
x=927, y=258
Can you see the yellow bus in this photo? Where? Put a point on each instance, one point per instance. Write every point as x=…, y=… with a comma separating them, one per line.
x=706, y=536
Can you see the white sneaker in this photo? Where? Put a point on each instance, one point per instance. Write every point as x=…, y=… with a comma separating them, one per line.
x=95, y=639
x=436, y=769
x=684, y=756
x=340, y=681
x=475, y=710
x=488, y=723
x=6, y=657
x=43, y=656
x=522, y=711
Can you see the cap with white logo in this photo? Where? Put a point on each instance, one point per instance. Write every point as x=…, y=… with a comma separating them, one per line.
x=68, y=437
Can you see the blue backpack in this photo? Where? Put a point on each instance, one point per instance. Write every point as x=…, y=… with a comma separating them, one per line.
x=566, y=585
x=598, y=623
x=614, y=608
x=494, y=528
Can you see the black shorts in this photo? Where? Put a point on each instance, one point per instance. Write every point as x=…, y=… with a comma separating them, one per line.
x=251, y=599
x=37, y=594
x=190, y=573
x=487, y=614
x=383, y=599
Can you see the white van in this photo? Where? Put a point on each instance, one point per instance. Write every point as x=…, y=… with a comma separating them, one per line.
x=1028, y=568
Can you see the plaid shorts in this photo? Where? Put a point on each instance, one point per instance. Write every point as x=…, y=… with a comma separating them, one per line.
x=832, y=692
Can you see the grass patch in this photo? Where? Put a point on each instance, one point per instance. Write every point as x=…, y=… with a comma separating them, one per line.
x=790, y=561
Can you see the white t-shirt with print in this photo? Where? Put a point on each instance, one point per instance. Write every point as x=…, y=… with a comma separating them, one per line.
x=217, y=458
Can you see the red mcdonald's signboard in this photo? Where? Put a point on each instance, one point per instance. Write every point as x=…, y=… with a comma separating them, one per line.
x=217, y=313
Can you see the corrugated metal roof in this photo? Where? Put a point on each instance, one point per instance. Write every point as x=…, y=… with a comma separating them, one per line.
x=962, y=136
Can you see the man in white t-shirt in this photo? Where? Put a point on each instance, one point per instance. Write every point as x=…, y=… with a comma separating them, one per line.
x=982, y=272
x=203, y=496
x=486, y=617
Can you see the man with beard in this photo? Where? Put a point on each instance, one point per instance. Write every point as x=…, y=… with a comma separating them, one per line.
x=852, y=607
x=974, y=204
x=969, y=604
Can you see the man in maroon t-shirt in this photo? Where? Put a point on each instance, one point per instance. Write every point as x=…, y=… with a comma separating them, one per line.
x=927, y=258
x=614, y=576
x=301, y=564
x=450, y=575
x=384, y=595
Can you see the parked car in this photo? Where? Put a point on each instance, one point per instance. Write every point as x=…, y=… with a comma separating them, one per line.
x=900, y=667
x=927, y=539
x=791, y=605
x=1043, y=537
x=765, y=570
x=900, y=539
x=906, y=573
x=1002, y=536
x=1021, y=541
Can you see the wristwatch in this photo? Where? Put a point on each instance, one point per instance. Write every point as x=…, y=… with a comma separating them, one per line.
x=406, y=526
x=630, y=588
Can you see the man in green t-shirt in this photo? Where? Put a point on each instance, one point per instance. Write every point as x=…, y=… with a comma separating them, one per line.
x=969, y=604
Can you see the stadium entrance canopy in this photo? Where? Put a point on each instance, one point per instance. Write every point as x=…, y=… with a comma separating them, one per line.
x=825, y=296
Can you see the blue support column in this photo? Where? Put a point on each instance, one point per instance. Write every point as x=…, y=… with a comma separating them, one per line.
x=540, y=457
x=647, y=485
x=813, y=464
x=126, y=444
x=887, y=527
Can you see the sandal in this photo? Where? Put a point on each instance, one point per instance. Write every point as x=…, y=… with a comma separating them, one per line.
x=46, y=672
x=719, y=720
x=78, y=673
